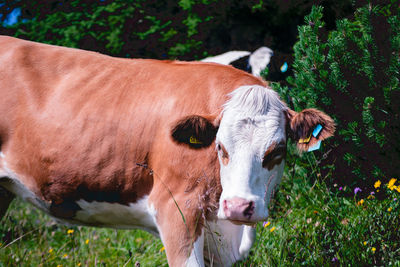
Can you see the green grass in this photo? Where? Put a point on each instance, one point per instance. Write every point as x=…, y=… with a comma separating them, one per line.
x=39, y=241
x=316, y=227
x=309, y=226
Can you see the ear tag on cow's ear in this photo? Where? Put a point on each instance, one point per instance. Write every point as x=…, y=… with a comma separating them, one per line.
x=317, y=130
x=305, y=140
x=315, y=147
x=315, y=133
x=284, y=67
x=194, y=140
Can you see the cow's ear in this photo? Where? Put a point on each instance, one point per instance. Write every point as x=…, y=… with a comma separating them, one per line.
x=195, y=131
x=309, y=127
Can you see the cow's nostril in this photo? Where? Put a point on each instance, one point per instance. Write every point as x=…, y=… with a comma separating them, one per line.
x=249, y=210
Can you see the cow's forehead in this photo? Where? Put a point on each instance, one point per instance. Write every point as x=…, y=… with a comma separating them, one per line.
x=252, y=101
x=253, y=115
x=259, y=132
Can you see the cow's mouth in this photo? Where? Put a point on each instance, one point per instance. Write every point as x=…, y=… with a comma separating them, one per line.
x=237, y=222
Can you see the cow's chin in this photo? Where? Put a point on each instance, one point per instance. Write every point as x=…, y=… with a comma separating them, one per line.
x=243, y=223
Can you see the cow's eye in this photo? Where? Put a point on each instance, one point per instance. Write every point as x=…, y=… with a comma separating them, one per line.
x=274, y=157
x=223, y=153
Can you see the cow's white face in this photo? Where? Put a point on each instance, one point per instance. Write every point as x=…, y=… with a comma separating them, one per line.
x=250, y=140
x=251, y=146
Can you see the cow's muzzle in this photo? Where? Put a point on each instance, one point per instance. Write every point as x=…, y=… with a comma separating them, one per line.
x=239, y=209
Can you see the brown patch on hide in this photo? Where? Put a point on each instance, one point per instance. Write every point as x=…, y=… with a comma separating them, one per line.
x=274, y=155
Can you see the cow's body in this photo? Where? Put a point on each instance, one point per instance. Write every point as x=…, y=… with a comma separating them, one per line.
x=87, y=138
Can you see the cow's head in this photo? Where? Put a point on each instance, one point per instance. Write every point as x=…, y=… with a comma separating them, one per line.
x=250, y=139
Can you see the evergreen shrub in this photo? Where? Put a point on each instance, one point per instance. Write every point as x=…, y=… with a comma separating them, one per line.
x=352, y=73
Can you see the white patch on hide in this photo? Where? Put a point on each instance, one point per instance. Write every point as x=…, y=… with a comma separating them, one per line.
x=227, y=58
x=253, y=119
x=196, y=257
x=135, y=215
x=248, y=238
x=12, y=182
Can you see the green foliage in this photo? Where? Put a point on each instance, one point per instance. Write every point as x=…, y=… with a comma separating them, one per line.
x=133, y=28
x=352, y=73
x=187, y=29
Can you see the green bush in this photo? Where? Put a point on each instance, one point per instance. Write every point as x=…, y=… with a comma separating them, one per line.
x=184, y=29
x=353, y=73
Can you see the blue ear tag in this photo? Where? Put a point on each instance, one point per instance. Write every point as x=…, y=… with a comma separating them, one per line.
x=284, y=67
x=317, y=130
x=315, y=147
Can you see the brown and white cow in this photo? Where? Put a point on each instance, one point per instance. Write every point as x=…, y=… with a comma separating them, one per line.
x=189, y=151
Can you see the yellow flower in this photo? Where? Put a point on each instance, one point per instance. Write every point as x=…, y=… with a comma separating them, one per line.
x=370, y=196
x=272, y=229
x=51, y=250
x=365, y=243
x=389, y=209
x=360, y=202
x=162, y=249
x=87, y=241
x=373, y=249
x=79, y=264
x=267, y=224
x=65, y=256
x=377, y=184
x=59, y=265
x=70, y=231
x=391, y=185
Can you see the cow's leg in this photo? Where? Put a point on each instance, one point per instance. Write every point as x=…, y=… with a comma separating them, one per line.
x=5, y=199
x=182, y=248
x=196, y=257
x=248, y=237
x=181, y=232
